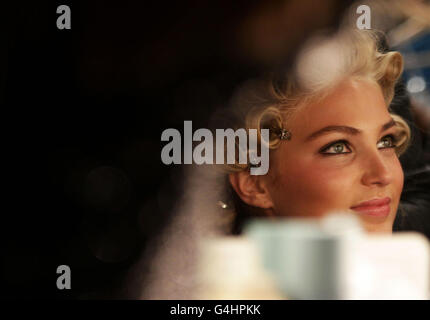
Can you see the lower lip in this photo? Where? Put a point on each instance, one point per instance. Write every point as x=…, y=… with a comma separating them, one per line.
x=375, y=211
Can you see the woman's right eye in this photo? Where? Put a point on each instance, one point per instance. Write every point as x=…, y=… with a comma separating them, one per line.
x=338, y=147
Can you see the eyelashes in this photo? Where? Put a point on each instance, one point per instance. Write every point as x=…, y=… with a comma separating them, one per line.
x=343, y=147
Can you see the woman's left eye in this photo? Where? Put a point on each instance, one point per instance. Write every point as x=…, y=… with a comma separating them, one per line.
x=386, y=142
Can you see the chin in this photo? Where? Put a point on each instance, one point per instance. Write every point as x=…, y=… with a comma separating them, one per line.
x=378, y=226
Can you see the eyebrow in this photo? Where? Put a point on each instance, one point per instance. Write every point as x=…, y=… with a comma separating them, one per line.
x=346, y=130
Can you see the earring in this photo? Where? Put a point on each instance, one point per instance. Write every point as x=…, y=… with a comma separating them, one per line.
x=285, y=134
x=222, y=204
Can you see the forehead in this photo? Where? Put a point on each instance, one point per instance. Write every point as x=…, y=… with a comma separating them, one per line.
x=356, y=103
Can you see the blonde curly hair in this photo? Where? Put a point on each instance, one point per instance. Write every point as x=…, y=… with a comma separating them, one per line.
x=267, y=103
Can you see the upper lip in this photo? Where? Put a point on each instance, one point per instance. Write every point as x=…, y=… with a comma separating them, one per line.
x=373, y=203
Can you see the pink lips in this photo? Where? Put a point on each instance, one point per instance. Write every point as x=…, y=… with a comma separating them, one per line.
x=376, y=207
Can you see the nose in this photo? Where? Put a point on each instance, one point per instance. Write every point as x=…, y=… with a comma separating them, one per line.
x=377, y=171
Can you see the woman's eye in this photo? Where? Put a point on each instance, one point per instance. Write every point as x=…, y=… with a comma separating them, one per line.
x=386, y=142
x=339, y=147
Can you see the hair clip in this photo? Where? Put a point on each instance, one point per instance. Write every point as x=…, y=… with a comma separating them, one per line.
x=285, y=134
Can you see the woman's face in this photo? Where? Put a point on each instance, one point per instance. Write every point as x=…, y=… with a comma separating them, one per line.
x=340, y=157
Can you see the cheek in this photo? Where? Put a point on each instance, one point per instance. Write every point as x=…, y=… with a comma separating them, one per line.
x=398, y=178
x=311, y=188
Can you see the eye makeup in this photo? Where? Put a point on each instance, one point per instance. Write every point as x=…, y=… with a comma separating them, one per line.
x=339, y=146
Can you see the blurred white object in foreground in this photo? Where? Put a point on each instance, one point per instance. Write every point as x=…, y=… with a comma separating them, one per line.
x=379, y=266
x=387, y=267
x=230, y=268
x=333, y=258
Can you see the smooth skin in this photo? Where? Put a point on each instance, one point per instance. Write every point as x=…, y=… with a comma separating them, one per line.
x=341, y=154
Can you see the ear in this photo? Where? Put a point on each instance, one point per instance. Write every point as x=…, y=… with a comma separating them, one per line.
x=251, y=189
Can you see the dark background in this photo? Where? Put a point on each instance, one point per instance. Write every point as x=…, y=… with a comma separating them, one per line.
x=83, y=114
